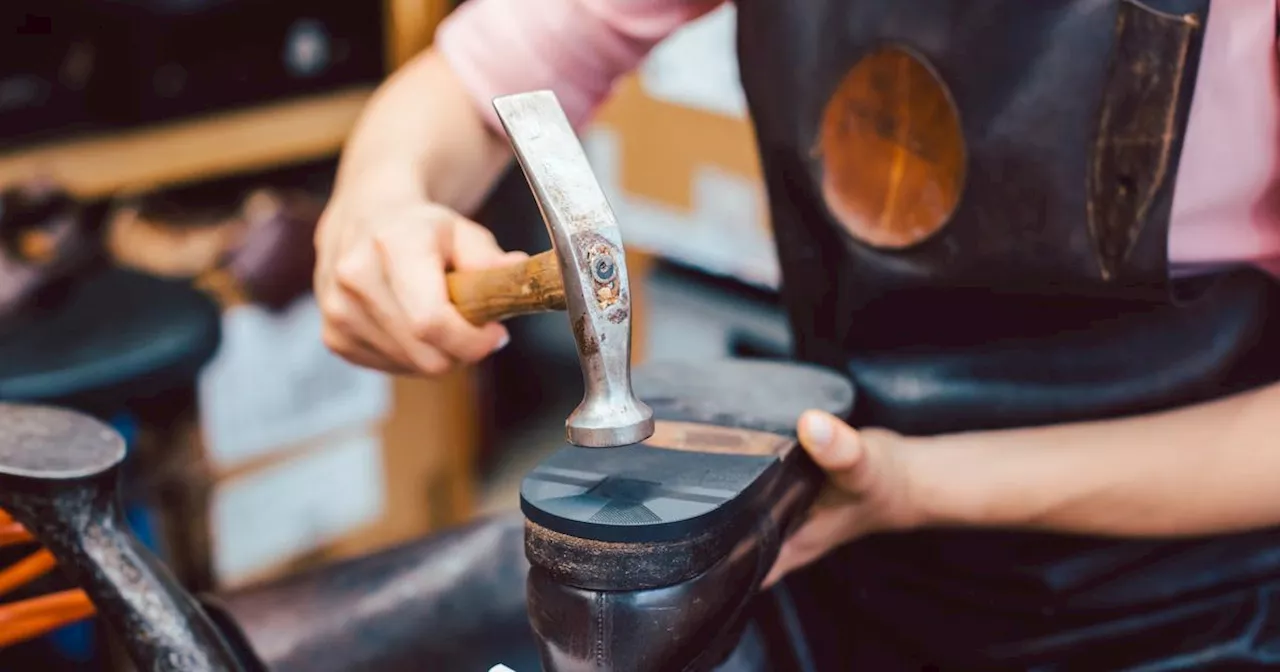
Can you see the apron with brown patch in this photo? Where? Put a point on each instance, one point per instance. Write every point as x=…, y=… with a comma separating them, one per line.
x=971, y=203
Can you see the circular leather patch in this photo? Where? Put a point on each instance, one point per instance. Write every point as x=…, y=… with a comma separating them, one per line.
x=893, y=155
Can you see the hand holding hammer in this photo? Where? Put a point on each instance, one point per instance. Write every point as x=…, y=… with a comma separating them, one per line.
x=584, y=273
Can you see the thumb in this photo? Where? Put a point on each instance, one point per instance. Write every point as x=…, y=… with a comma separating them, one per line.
x=837, y=448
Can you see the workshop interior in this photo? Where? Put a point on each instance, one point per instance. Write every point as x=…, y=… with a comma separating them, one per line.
x=164, y=165
x=1007, y=268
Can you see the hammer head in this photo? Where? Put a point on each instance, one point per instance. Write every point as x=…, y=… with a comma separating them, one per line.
x=588, y=246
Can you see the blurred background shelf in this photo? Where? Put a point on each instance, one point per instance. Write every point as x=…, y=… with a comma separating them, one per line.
x=199, y=149
x=137, y=100
x=109, y=161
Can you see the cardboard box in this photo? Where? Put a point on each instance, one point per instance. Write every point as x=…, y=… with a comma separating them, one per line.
x=310, y=458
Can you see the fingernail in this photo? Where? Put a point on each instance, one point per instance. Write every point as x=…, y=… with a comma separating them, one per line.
x=503, y=342
x=819, y=429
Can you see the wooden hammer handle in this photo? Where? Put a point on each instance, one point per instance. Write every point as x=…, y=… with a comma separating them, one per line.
x=495, y=294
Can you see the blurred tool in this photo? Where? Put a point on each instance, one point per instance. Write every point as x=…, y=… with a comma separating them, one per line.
x=59, y=473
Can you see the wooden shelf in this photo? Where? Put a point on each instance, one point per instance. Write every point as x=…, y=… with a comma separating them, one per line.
x=123, y=162
x=214, y=146
x=410, y=26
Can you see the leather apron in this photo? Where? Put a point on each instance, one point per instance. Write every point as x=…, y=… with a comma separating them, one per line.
x=971, y=204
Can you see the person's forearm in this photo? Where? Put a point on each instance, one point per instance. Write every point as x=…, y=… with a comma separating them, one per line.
x=422, y=136
x=1207, y=468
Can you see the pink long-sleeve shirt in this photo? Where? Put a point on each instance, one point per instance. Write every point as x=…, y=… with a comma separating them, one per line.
x=1227, y=199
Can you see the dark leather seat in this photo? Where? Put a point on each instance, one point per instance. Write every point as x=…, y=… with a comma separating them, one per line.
x=963, y=361
x=451, y=601
x=117, y=336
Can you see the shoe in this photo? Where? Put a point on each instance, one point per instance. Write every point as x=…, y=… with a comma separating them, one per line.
x=645, y=558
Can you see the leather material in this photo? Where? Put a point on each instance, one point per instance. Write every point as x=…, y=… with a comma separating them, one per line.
x=1045, y=298
x=117, y=337
x=868, y=621
x=1027, y=217
x=778, y=495
x=677, y=602
x=1012, y=361
x=675, y=628
x=452, y=601
x=690, y=626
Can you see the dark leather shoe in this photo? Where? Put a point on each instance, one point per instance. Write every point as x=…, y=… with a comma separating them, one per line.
x=645, y=558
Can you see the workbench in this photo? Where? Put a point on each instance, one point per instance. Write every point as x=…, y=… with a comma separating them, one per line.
x=291, y=132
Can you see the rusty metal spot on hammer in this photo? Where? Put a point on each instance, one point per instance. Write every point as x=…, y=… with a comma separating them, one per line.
x=606, y=296
x=587, y=344
x=602, y=267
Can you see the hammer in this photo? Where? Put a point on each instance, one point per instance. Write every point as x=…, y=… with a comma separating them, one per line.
x=59, y=473
x=585, y=272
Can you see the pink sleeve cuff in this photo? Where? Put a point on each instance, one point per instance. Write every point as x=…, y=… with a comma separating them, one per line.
x=576, y=48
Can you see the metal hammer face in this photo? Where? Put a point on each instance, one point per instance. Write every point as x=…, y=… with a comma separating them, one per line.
x=588, y=250
x=58, y=477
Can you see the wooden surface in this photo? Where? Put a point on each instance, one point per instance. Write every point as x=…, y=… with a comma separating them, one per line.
x=410, y=26
x=639, y=269
x=215, y=146
x=496, y=294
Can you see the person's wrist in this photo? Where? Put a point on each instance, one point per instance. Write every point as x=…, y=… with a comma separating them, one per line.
x=900, y=464
x=383, y=184
x=938, y=473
